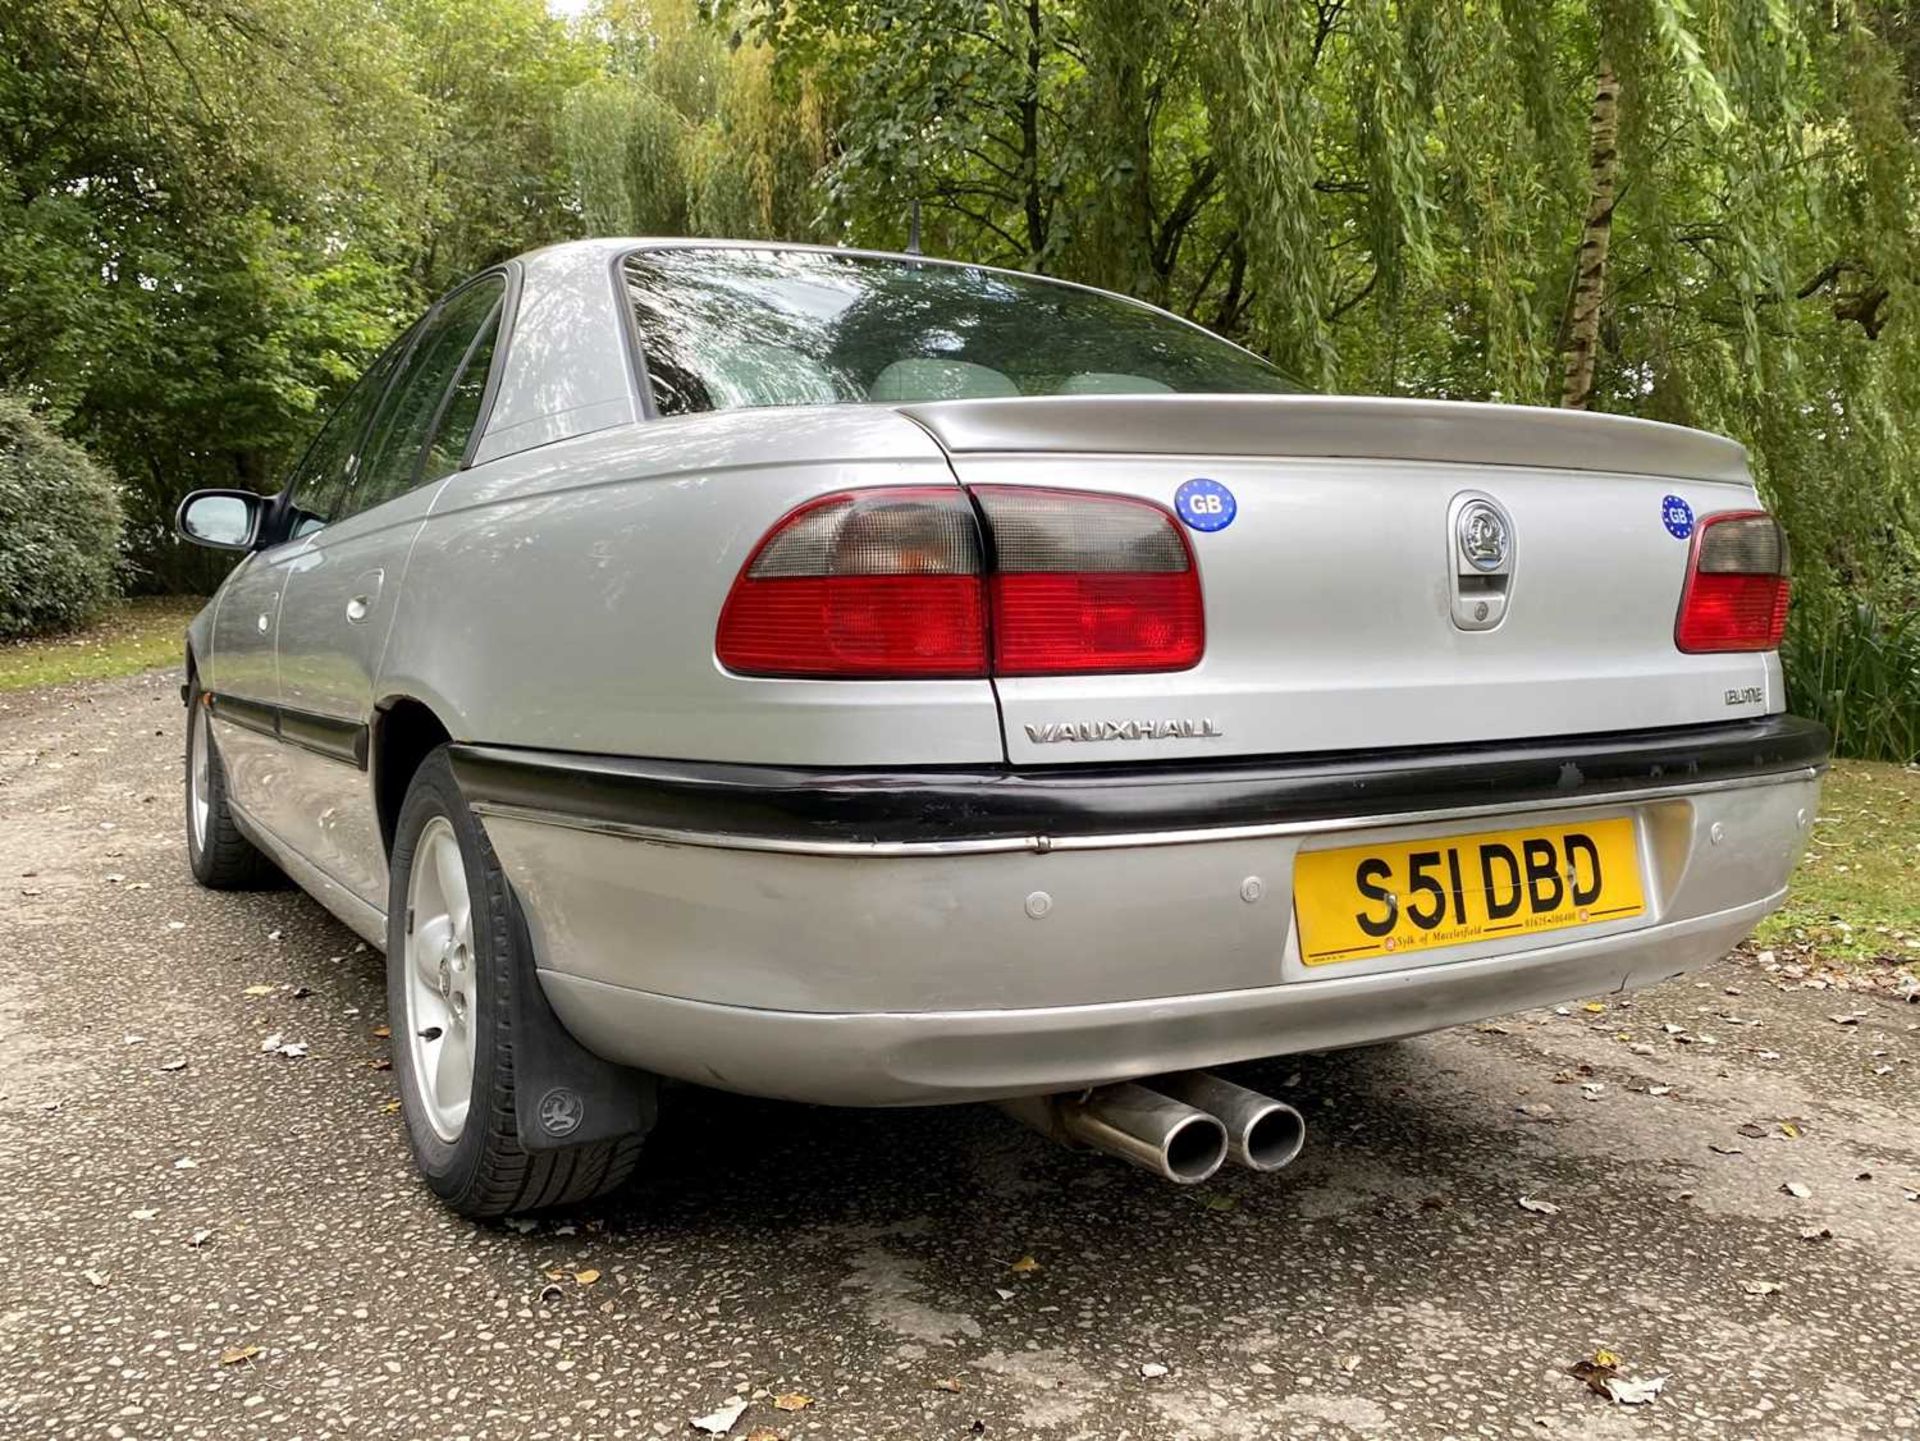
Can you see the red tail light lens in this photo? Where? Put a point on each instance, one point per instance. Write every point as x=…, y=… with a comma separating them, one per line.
x=1084, y=583
x=869, y=584
x=875, y=584
x=1737, y=585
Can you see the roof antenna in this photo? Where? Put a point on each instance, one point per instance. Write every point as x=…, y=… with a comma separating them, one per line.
x=913, y=229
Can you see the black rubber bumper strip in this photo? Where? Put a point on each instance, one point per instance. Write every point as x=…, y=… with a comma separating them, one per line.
x=894, y=806
x=337, y=740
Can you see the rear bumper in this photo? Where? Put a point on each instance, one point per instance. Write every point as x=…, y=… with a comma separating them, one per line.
x=944, y=937
x=935, y=1057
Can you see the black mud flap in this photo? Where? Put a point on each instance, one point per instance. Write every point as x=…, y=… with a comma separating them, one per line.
x=563, y=1094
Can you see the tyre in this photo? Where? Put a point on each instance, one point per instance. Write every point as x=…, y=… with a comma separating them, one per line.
x=454, y=953
x=222, y=859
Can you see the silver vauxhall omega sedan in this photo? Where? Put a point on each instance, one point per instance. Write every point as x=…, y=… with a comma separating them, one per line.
x=869, y=680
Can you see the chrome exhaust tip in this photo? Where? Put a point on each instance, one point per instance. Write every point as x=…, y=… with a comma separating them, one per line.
x=1263, y=1134
x=1175, y=1141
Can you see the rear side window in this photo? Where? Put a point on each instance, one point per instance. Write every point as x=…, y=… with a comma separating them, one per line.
x=320, y=479
x=729, y=328
x=433, y=398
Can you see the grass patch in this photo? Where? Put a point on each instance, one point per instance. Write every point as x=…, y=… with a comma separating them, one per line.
x=132, y=636
x=1856, y=897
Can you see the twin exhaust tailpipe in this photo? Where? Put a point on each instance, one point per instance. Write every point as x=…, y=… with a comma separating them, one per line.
x=1181, y=1127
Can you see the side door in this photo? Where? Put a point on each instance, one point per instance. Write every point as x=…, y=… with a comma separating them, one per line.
x=345, y=584
x=243, y=675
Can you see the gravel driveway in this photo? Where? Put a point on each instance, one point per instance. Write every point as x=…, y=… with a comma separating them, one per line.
x=202, y=1238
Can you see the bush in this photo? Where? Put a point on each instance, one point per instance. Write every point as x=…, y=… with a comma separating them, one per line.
x=1856, y=669
x=60, y=528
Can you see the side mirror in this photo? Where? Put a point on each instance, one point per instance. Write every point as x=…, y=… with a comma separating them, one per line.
x=222, y=519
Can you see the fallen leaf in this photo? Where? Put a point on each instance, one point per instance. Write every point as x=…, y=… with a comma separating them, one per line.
x=1003, y=1293
x=1152, y=1369
x=186, y=1163
x=1719, y=1149
x=1659, y=1090
x=1641, y=1048
x=1594, y=1007
x=586, y=1277
x=1544, y=1208
x=383, y=1031
x=1760, y=1288
x=1218, y=1201
x=143, y=1215
x=1816, y=1233
x=792, y=1401
x=1798, y=1190
x=1789, y=1130
x=1535, y=1110
x=1026, y=1265
x=947, y=1383
x=1752, y=1131
x=1596, y=1373
x=764, y=1433
x=720, y=1422
x=97, y=1279
x=381, y=1064
x=258, y=991
x=389, y=1107
x=1604, y=1357
x=179, y=1065
x=200, y=1238
x=234, y=1355
x=1349, y=1364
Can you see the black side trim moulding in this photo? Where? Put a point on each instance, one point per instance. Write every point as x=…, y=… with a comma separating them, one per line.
x=329, y=736
x=951, y=805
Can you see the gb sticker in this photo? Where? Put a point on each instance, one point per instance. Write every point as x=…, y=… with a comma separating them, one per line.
x=1677, y=516
x=1205, y=504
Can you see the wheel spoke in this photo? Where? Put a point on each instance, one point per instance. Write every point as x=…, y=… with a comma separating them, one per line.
x=450, y=873
x=425, y=946
x=452, y=1069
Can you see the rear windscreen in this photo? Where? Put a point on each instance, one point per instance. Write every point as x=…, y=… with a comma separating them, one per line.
x=724, y=329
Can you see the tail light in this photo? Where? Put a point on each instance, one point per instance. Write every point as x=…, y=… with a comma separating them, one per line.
x=1086, y=583
x=873, y=584
x=1737, y=585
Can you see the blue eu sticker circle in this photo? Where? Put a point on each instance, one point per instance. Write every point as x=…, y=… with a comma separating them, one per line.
x=1205, y=504
x=1678, y=517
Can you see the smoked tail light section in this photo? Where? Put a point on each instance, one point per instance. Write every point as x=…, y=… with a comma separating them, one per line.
x=1738, y=580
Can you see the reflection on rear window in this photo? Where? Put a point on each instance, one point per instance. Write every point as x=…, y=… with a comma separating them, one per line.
x=725, y=329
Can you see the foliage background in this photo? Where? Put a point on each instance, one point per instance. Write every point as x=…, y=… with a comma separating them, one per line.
x=213, y=211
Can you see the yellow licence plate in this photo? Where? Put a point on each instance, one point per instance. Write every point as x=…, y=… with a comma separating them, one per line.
x=1400, y=896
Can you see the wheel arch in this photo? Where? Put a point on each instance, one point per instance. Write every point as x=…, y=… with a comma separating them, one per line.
x=405, y=731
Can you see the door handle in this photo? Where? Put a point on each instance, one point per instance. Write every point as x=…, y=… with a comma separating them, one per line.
x=360, y=607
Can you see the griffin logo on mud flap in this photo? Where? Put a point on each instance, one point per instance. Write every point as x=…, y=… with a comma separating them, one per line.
x=1130, y=730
